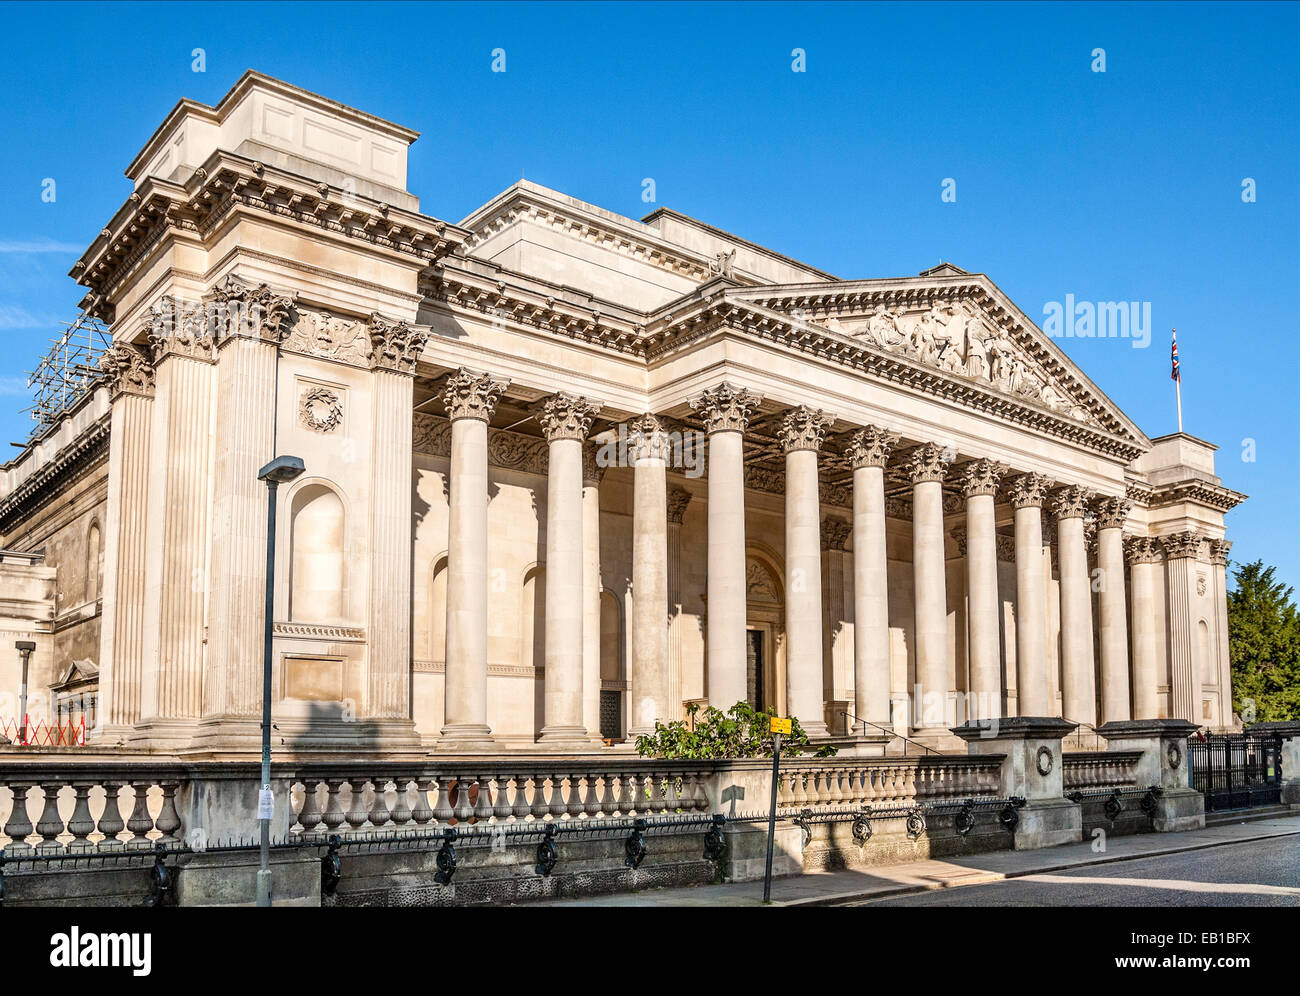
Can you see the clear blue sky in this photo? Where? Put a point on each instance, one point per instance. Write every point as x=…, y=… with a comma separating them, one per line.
x=1123, y=185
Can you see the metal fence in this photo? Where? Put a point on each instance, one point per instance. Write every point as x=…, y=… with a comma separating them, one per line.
x=1236, y=770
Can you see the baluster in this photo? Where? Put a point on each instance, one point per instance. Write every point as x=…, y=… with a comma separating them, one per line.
x=333, y=815
x=590, y=796
x=521, y=805
x=629, y=804
x=401, y=812
x=169, y=820
x=422, y=813
x=555, y=804
x=80, y=824
x=540, y=795
x=577, y=796
x=483, y=799
x=19, y=826
x=110, y=820
x=50, y=825
x=502, y=810
x=464, y=808
x=378, y=814
x=140, y=822
x=442, y=811
x=309, y=816
x=356, y=815
x=800, y=794
x=608, y=795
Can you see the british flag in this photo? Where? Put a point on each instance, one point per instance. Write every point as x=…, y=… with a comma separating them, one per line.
x=1174, y=373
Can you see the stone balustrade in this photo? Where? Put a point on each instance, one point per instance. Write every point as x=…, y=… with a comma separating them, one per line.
x=886, y=782
x=1086, y=771
x=87, y=807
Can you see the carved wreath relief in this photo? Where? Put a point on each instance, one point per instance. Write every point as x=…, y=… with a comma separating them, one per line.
x=320, y=409
x=1044, y=760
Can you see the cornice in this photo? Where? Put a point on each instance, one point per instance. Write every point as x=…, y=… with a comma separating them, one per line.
x=1202, y=493
x=78, y=455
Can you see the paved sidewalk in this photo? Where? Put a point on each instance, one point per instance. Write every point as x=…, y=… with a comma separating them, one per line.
x=830, y=888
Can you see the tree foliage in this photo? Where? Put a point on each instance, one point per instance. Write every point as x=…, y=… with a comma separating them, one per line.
x=1263, y=645
x=741, y=731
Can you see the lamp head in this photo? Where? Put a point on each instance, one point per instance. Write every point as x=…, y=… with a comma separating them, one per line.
x=281, y=470
x=25, y=646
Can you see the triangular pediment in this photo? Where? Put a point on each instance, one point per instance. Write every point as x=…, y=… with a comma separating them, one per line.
x=959, y=325
x=77, y=672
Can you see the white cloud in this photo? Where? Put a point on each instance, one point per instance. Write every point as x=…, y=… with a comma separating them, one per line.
x=31, y=247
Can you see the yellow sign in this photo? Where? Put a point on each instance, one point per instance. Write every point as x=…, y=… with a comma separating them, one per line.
x=781, y=726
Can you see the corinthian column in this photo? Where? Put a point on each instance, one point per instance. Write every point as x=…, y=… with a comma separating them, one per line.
x=868, y=451
x=591, y=475
x=648, y=445
x=470, y=398
x=926, y=468
x=1181, y=550
x=1079, y=694
x=802, y=432
x=565, y=420
x=1033, y=688
x=1144, y=555
x=726, y=410
x=250, y=324
x=129, y=374
x=979, y=485
x=1111, y=609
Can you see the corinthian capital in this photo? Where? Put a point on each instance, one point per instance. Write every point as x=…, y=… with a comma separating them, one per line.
x=835, y=532
x=1112, y=513
x=870, y=446
x=395, y=345
x=1219, y=551
x=726, y=408
x=1142, y=549
x=179, y=329
x=980, y=477
x=647, y=439
x=567, y=416
x=804, y=428
x=1028, y=490
x=469, y=394
x=127, y=370
x=236, y=310
x=1071, y=502
x=926, y=463
x=1182, y=544
x=678, y=499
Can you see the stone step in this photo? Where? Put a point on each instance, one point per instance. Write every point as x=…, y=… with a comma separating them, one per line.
x=1247, y=815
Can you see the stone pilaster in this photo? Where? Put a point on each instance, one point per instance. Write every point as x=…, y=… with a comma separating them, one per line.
x=565, y=421
x=470, y=398
x=591, y=586
x=802, y=432
x=129, y=375
x=1079, y=691
x=868, y=451
x=1145, y=557
x=648, y=446
x=678, y=499
x=1033, y=685
x=1219, y=559
x=926, y=468
x=726, y=411
x=979, y=485
x=1111, y=609
x=837, y=657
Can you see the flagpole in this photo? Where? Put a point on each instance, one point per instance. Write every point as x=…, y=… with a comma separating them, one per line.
x=1177, y=375
x=1178, y=387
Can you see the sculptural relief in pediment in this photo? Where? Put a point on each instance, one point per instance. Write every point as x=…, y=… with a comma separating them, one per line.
x=957, y=339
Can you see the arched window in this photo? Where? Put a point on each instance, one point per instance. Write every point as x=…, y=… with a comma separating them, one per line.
x=94, y=562
x=316, y=572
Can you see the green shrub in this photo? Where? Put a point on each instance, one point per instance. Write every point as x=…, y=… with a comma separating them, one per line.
x=741, y=731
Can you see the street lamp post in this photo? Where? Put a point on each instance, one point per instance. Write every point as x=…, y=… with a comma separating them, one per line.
x=24, y=647
x=281, y=470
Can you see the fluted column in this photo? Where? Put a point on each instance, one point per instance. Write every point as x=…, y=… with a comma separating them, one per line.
x=565, y=420
x=1219, y=549
x=129, y=374
x=1145, y=566
x=180, y=491
x=591, y=476
x=648, y=445
x=678, y=499
x=1079, y=693
x=470, y=398
x=979, y=484
x=801, y=435
x=1112, y=609
x=926, y=469
x=726, y=410
x=1181, y=550
x=868, y=451
x=1033, y=688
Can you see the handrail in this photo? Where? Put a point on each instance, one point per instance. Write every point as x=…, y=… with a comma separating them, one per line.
x=892, y=733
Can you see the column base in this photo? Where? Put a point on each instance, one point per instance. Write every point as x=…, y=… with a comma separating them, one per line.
x=816, y=730
x=468, y=738
x=564, y=738
x=163, y=734
x=241, y=735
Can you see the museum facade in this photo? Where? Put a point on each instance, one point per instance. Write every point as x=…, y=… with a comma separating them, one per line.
x=568, y=472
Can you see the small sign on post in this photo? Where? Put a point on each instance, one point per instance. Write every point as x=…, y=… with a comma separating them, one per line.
x=780, y=727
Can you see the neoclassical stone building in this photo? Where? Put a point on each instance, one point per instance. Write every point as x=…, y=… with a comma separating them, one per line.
x=567, y=472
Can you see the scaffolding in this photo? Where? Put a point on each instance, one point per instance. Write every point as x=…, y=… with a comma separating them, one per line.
x=68, y=370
